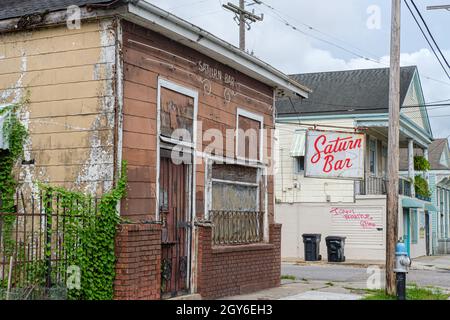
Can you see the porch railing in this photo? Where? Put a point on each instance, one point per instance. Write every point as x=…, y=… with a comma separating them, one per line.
x=371, y=186
x=377, y=186
x=236, y=227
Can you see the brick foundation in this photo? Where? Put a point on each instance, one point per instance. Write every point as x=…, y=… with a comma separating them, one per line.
x=233, y=270
x=138, y=254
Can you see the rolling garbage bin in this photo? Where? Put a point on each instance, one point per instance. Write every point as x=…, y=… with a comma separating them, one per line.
x=335, y=248
x=311, y=243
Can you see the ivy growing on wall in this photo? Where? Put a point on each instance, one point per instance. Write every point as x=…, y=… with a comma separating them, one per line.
x=90, y=229
x=14, y=133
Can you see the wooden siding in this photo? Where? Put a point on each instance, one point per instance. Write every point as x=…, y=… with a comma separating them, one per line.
x=309, y=189
x=70, y=119
x=148, y=55
x=412, y=98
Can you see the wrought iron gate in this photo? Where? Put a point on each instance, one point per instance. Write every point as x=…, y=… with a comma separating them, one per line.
x=176, y=228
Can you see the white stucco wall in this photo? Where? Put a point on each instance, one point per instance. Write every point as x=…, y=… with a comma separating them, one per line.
x=361, y=244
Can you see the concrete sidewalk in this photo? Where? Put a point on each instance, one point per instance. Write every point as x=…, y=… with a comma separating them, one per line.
x=351, y=263
x=431, y=263
x=308, y=290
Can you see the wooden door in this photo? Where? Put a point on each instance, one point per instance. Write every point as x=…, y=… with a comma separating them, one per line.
x=176, y=229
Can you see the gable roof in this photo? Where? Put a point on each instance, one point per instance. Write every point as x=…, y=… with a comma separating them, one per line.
x=352, y=91
x=13, y=8
x=435, y=151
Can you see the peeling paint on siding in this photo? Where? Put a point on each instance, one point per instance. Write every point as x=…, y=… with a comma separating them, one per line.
x=98, y=170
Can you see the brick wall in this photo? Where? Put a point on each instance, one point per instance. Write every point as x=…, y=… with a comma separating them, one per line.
x=233, y=270
x=138, y=254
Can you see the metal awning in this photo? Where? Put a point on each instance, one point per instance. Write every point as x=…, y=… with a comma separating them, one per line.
x=298, y=144
x=431, y=207
x=411, y=203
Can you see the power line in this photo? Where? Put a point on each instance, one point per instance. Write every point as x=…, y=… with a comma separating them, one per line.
x=429, y=32
x=426, y=38
x=295, y=28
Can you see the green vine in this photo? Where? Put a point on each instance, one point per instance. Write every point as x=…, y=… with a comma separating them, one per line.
x=421, y=164
x=14, y=134
x=421, y=187
x=89, y=236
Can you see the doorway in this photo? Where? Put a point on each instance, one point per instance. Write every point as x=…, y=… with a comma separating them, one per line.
x=407, y=230
x=176, y=230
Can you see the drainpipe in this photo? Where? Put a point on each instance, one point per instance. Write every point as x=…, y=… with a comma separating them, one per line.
x=411, y=173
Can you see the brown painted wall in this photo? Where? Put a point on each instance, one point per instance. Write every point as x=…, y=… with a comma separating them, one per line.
x=147, y=56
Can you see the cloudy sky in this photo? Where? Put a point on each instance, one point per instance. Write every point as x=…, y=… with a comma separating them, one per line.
x=360, y=26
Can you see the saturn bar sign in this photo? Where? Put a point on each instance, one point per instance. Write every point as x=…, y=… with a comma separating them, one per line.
x=334, y=155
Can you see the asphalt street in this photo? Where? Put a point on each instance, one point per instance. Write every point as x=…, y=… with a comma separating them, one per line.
x=351, y=274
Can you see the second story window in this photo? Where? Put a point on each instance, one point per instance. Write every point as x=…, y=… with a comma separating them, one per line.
x=298, y=151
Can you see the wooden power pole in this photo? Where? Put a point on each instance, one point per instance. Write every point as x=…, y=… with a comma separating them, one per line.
x=393, y=150
x=243, y=18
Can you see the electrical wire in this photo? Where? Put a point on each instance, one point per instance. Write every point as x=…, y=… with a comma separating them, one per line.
x=426, y=38
x=293, y=27
x=429, y=32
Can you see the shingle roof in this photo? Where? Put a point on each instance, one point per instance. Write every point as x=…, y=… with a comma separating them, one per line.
x=14, y=8
x=435, y=150
x=366, y=90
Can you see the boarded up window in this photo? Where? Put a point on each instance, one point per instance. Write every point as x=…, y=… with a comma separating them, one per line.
x=177, y=112
x=234, y=188
x=248, y=138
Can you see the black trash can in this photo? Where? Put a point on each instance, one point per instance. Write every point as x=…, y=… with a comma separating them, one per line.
x=311, y=243
x=335, y=248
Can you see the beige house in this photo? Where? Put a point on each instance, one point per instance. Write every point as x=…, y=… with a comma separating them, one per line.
x=355, y=100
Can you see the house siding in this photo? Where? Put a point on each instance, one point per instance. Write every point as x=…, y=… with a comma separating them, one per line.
x=148, y=55
x=69, y=75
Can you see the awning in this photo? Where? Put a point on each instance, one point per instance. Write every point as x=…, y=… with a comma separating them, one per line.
x=431, y=207
x=298, y=144
x=411, y=203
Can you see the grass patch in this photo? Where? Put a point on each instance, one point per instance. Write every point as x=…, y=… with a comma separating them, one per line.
x=331, y=284
x=288, y=277
x=412, y=293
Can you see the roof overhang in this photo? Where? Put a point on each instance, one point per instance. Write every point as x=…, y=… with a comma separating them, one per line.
x=182, y=31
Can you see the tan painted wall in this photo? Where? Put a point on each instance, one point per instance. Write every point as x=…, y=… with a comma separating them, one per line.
x=70, y=78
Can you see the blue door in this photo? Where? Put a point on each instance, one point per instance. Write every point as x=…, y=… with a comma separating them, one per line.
x=407, y=230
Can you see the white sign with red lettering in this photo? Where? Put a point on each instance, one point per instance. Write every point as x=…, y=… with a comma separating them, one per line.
x=334, y=155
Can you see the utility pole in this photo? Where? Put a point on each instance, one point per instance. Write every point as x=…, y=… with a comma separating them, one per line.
x=243, y=18
x=393, y=150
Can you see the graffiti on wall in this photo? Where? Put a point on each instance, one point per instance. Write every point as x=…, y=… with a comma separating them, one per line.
x=366, y=221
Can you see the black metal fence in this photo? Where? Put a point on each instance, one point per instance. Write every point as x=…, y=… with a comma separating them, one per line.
x=236, y=227
x=38, y=241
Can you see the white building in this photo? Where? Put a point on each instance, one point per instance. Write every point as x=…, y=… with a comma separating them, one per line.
x=355, y=100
